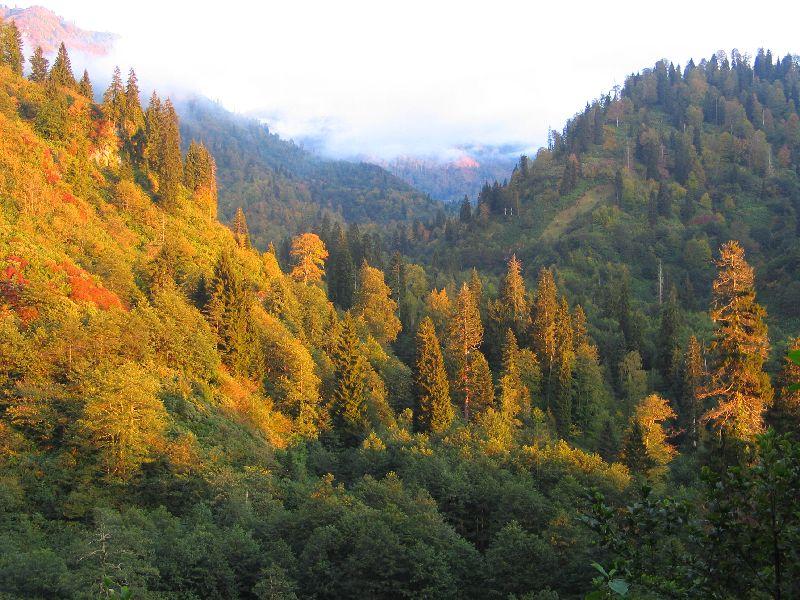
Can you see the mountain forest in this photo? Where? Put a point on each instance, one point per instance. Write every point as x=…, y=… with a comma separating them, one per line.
x=231, y=369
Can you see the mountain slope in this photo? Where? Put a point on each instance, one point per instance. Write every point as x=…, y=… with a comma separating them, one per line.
x=42, y=27
x=283, y=189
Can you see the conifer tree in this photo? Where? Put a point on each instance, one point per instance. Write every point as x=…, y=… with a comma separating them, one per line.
x=465, y=337
x=569, y=179
x=348, y=403
x=646, y=449
x=51, y=120
x=690, y=384
x=39, y=66
x=668, y=332
x=170, y=174
x=200, y=173
x=85, y=86
x=133, y=117
x=114, y=98
x=375, y=306
x=434, y=408
x=228, y=310
x=561, y=383
x=784, y=415
x=514, y=395
x=342, y=272
x=152, y=152
x=11, y=47
x=440, y=309
x=240, y=232
x=465, y=212
x=480, y=383
x=476, y=287
x=738, y=385
x=543, y=329
x=61, y=73
x=512, y=309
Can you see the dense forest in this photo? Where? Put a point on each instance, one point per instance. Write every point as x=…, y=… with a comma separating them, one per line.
x=349, y=412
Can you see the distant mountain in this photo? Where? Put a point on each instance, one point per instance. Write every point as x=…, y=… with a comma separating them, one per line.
x=451, y=178
x=284, y=188
x=42, y=27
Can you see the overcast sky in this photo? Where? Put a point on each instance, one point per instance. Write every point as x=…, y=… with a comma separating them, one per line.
x=418, y=77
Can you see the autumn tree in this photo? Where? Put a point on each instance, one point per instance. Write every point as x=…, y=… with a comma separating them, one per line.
x=61, y=73
x=308, y=253
x=375, y=306
x=511, y=310
x=123, y=418
x=543, y=328
x=738, y=385
x=646, y=448
x=465, y=337
x=434, y=408
x=39, y=65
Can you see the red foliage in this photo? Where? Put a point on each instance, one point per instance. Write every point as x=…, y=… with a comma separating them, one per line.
x=83, y=288
x=12, y=284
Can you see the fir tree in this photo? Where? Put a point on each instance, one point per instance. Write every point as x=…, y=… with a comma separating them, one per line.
x=543, y=328
x=514, y=396
x=85, y=86
x=170, y=174
x=39, y=66
x=668, y=333
x=465, y=212
x=348, y=403
x=114, y=98
x=342, y=272
x=11, y=47
x=152, y=152
x=689, y=388
x=434, y=408
x=61, y=73
x=240, y=232
x=738, y=384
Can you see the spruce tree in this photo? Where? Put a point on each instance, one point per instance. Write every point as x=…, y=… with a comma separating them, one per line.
x=132, y=115
x=514, y=396
x=434, y=408
x=114, y=98
x=689, y=388
x=668, y=333
x=39, y=66
x=465, y=212
x=738, y=384
x=170, y=173
x=85, y=86
x=228, y=311
x=11, y=47
x=543, y=329
x=152, y=151
x=240, y=232
x=342, y=272
x=61, y=73
x=350, y=368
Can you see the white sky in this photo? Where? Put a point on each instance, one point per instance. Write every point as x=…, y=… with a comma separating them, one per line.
x=417, y=77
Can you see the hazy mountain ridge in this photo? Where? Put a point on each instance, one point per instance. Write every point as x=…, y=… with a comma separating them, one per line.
x=42, y=27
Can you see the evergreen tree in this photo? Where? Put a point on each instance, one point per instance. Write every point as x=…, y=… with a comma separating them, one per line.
x=51, y=119
x=668, y=334
x=350, y=369
x=200, y=173
x=114, y=98
x=342, y=272
x=132, y=115
x=690, y=384
x=85, y=86
x=465, y=212
x=738, y=384
x=39, y=66
x=434, y=408
x=61, y=73
x=152, y=152
x=543, y=329
x=514, y=396
x=465, y=337
x=569, y=179
x=634, y=451
x=561, y=384
x=228, y=311
x=240, y=232
x=784, y=415
x=480, y=383
x=170, y=174
x=646, y=449
x=11, y=47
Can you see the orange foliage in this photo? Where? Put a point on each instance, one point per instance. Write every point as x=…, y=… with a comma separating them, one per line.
x=83, y=288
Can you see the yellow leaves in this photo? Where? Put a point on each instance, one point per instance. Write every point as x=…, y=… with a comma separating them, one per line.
x=309, y=253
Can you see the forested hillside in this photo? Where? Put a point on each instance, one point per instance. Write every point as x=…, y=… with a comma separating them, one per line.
x=185, y=415
x=284, y=189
